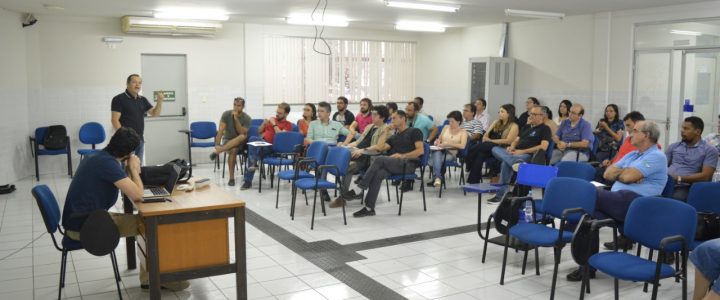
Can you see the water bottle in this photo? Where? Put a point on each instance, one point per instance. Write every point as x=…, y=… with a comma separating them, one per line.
x=528, y=212
x=688, y=108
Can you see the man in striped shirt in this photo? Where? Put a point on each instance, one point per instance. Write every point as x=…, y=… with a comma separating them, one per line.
x=473, y=126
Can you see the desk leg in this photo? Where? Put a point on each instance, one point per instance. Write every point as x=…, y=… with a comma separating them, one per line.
x=240, y=262
x=153, y=263
x=479, y=218
x=129, y=241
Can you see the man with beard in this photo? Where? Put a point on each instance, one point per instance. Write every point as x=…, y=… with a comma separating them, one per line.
x=130, y=108
x=343, y=115
x=691, y=159
x=362, y=119
x=234, y=125
x=268, y=128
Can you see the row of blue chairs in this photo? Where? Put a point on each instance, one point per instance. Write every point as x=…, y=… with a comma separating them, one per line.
x=91, y=133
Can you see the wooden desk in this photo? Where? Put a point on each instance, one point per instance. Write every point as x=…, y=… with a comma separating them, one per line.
x=188, y=238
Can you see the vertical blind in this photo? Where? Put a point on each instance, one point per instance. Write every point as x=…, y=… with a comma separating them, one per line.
x=294, y=73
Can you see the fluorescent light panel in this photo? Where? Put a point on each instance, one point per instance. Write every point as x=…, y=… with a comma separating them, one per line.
x=423, y=6
x=334, y=21
x=419, y=26
x=192, y=15
x=686, y=32
x=534, y=14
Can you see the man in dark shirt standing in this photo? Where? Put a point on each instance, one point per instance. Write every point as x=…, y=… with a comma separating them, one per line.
x=403, y=148
x=130, y=108
x=343, y=115
x=533, y=137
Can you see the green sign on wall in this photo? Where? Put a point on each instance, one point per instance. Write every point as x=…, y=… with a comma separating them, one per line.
x=169, y=95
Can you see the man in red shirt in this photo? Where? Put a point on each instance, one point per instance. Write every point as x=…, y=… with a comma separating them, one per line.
x=362, y=119
x=267, y=131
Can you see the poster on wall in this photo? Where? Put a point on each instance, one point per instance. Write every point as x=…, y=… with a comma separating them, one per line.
x=169, y=95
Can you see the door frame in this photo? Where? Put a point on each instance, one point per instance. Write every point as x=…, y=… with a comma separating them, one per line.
x=668, y=103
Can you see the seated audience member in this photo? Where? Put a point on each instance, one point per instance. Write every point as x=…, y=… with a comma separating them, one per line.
x=362, y=119
x=267, y=131
x=502, y=132
x=629, y=121
x=309, y=115
x=420, y=102
x=392, y=108
x=549, y=120
x=609, y=132
x=343, y=115
x=452, y=138
x=563, y=111
x=403, y=148
x=642, y=172
x=372, y=138
x=95, y=186
x=470, y=124
x=420, y=121
x=573, y=138
x=326, y=130
x=529, y=104
x=234, y=125
x=691, y=159
x=533, y=137
x=480, y=113
x=706, y=258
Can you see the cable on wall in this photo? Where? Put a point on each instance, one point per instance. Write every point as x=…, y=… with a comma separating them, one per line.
x=318, y=35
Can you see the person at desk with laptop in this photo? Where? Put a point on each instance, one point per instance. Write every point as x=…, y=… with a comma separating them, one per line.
x=95, y=186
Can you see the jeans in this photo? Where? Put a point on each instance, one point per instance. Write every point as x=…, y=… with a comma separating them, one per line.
x=437, y=163
x=706, y=259
x=356, y=166
x=506, y=161
x=140, y=151
x=567, y=155
x=254, y=154
x=380, y=168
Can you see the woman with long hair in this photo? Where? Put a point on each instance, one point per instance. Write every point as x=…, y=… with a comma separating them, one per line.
x=609, y=133
x=309, y=115
x=501, y=133
x=563, y=111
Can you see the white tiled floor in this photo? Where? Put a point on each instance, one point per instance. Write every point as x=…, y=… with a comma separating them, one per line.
x=443, y=268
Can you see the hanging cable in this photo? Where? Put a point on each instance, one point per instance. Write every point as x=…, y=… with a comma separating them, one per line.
x=322, y=29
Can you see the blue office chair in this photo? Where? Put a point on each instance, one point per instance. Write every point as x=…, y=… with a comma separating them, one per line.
x=315, y=156
x=669, y=187
x=564, y=197
x=581, y=170
x=37, y=147
x=662, y=224
x=202, y=130
x=703, y=197
x=295, y=128
x=50, y=211
x=256, y=122
x=91, y=133
x=459, y=162
x=410, y=175
x=336, y=163
x=285, y=147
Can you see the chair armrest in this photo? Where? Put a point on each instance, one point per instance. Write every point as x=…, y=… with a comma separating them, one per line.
x=597, y=224
x=185, y=131
x=299, y=148
x=323, y=167
x=32, y=139
x=568, y=211
x=594, y=163
x=671, y=239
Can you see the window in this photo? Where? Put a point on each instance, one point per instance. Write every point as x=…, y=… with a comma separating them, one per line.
x=294, y=73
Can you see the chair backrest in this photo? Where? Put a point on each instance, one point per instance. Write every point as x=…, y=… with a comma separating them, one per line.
x=253, y=131
x=669, y=187
x=48, y=206
x=464, y=151
x=426, y=155
x=99, y=235
x=295, y=128
x=318, y=151
x=565, y=192
x=650, y=219
x=574, y=169
x=256, y=122
x=703, y=197
x=40, y=135
x=285, y=142
x=92, y=133
x=594, y=146
x=439, y=132
x=549, y=151
x=536, y=175
x=203, y=130
x=340, y=157
x=446, y=122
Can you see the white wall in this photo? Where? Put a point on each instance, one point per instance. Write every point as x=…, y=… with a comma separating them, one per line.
x=14, y=149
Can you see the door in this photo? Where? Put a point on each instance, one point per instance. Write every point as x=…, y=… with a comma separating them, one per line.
x=652, y=84
x=167, y=73
x=701, y=84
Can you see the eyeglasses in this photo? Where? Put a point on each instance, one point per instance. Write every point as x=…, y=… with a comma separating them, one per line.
x=540, y=114
x=574, y=113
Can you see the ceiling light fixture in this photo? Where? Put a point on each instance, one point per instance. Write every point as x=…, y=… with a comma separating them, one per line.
x=686, y=32
x=534, y=14
x=423, y=6
x=178, y=23
x=211, y=15
x=333, y=21
x=419, y=26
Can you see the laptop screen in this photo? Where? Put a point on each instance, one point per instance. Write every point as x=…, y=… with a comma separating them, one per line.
x=172, y=180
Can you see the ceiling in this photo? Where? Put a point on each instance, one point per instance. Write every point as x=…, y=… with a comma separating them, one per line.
x=362, y=13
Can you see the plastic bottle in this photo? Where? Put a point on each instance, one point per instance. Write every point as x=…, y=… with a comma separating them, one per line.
x=528, y=212
x=688, y=108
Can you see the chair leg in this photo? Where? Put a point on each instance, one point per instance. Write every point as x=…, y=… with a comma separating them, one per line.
x=537, y=262
x=422, y=183
x=293, y=194
x=617, y=290
x=524, y=262
x=650, y=257
x=400, y=201
x=344, y=216
x=505, y=250
x=69, y=161
x=312, y=219
x=277, y=196
x=558, y=253
x=322, y=204
x=117, y=273
x=37, y=169
x=63, y=259
x=387, y=187
x=487, y=232
x=223, y=164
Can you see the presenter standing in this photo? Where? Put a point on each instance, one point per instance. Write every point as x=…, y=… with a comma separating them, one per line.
x=130, y=108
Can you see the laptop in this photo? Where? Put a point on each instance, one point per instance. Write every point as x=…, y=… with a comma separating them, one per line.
x=159, y=193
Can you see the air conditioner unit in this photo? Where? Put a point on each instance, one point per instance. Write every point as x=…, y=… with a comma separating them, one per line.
x=153, y=26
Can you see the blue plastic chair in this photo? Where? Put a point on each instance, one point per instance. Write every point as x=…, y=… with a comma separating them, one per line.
x=91, y=133
x=581, y=170
x=202, y=130
x=50, y=211
x=662, y=224
x=295, y=128
x=563, y=198
x=703, y=197
x=410, y=175
x=459, y=162
x=256, y=122
x=37, y=148
x=336, y=163
x=286, y=145
x=315, y=155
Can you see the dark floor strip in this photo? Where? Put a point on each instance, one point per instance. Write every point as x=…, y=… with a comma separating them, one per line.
x=411, y=238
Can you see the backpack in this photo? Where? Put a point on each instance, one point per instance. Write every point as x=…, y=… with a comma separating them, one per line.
x=184, y=169
x=55, y=138
x=159, y=175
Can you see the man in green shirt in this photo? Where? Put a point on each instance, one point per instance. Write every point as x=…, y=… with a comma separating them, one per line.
x=326, y=130
x=234, y=125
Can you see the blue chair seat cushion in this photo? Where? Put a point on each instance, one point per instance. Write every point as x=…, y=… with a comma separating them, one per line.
x=278, y=161
x=87, y=151
x=408, y=176
x=202, y=144
x=71, y=244
x=628, y=267
x=538, y=235
x=51, y=152
x=309, y=184
x=290, y=175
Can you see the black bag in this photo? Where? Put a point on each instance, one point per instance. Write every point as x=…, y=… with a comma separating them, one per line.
x=55, y=138
x=184, y=169
x=159, y=175
x=505, y=215
x=708, y=226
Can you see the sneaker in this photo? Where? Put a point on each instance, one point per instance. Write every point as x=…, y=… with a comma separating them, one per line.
x=338, y=202
x=351, y=195
x=516, y=165
x=252, y=168
x=494, y=200
x=623, y=243
x=406, y=186
x=245, y=186
x=364, y=212
x=577, y=275
x=213, y=156
x=231, y=182
x=437, y=182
